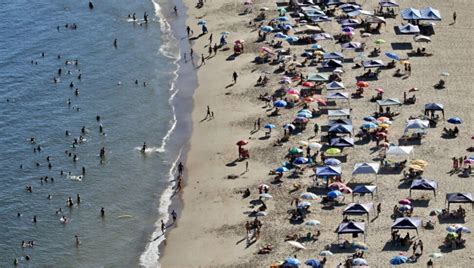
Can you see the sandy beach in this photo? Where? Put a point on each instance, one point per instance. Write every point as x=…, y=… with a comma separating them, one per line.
x=210, y=231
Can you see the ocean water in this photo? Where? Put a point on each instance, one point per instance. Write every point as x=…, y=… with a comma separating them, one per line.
x=128, y=184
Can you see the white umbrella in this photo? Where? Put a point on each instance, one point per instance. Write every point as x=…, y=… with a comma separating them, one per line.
x=326, y=253
x=312, y=223
x=296, y=244
x=266, y=196
x=315, y=145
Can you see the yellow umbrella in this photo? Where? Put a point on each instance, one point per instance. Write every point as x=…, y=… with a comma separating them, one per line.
x=415, y=167
x=304, y=143
x=419, y=162
x=292, y=97
x=384, y=125
x=404, y=62
x=333, y=151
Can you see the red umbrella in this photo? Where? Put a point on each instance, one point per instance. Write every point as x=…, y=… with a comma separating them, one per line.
x=380, y=90
x=404, y=202
x=320, y=100
x=308, y=84
x=309, y=99
x=242, y=142
x=362, y=84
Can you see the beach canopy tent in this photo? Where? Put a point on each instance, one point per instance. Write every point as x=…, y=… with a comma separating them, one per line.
x=340, y=129
x=339, y=113
x=408, y=29
x=417, y=124
x=364, y=189
x=328, y=171
x=351, y=45
x=338, y=96
x=432, y=107
x=459, y=198
x=332, y=63
x=407, y=223
x=366, y=168
x=400, y=150
x=334, y=85
x=388, y=3
x=309, y=29
x=319, y=77
x=333, y=2
x=358, y=12
x=351, y=227
x=339, y=122
x=389, y=102
x=318, y=19
x=342, y=142
x=424, y=185
x=375, y=19
x=312, y=11
x=411, y=14
x=349, y=7
x=321, y=36
x=358, y=209
x=333, y=55
x=373, y=63
x=349, y=22
x=430, y=13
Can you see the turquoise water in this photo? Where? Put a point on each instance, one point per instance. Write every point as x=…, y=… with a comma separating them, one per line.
x=128, y=184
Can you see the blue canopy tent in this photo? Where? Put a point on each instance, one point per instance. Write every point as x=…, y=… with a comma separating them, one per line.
x=366, y=168
x=388, y=3
x=424, y=185
x=408, y=29
x=364, y=189
x=433, y=107
x=341, y=129
x=338, y=96
x=359, y=209
x=328, y=171
x=334, y=85
x=332, y=63
x=340, y=121
x=459, y=198
x=319, y=77
x=373, y=63
x=342, y=142
x=430, y=13
x=333, y=55
x=411, y=14
x=351, y=227
x=339, y=113
x=407, y=223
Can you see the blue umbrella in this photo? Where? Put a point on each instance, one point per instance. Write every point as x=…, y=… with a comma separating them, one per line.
x=455, y=120
x=369, y=125
x=397, y=260
x=289, y=126
x=201, y=22
x=370, y=118
x=281, y=35
x=316, y=46
x=393, y=56
x=292, y=261
x=307, y=54
x=281, y=169
x=286, y=27
x=304, y=204
x=313, y=263
x=283, y=18
x=304, y=114
x=280, y=103
x=301, y=160
x=292, y=39
x=332, y=162
x=334, y=194
x=266, y=29
x=269, y=126
x=347, y=29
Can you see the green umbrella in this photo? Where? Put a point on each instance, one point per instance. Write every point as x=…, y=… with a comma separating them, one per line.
x=333, y=151
x=379, y=41
x=282, y=9
x=295, y=150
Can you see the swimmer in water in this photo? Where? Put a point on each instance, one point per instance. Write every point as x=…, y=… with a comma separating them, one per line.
x=143, y=147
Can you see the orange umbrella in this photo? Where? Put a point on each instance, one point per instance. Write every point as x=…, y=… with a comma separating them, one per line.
x=380, y=90
x=308, y=84
x=362, y=84
x=309, y=99
x=320, y=100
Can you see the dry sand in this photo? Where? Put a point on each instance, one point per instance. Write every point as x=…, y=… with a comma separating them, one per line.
x=210, y=232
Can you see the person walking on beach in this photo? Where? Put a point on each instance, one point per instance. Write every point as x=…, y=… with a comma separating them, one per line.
x=209, y=50
x=180, y=168
x=115, y=42
x=454, y=17
x=208, y=114
x=246, y=166
x=174, y=215
x=203, y=60
x=258, y=123
x=188, y=30
x=102, y=212
x=210, y=39
x=379, y=208
x=191, y=53
x=215, y=48
x=175, y=9
x=234, y=77
x=316, y=129
x=163, y=227
x=78, y=242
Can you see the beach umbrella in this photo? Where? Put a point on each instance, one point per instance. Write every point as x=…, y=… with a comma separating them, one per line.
x=455, y=120
x=326, y=253
x=281, y=35
x=337, y=186
x=338, y=71
x=286, y=27
x=295, y=150
x=293, y=91
x=397, y=260
x=239, y=41
x=292, y=39
x=435, y=255
x=359, y=262
x=309, y=196
x=383, y=119
x=266, y=29
x=392, y=56
x=369, y=125
x=308, y=99
x=281, y=169
x=225, y=33
x=314, y=263
x=315, y=145
x=333, y=151
x=360, y=245
x=264, y=8
x=280, y=103
x=384, y=125
x=300, y=119
x=334, y=194
x=312, y=223
x=369, y=118
x=347, y=29
x=283, y=18
x=444, y=74
x=201, y=22
x=263, y=186
x=362, y=84
x=305, y=115
x=304, y=204
x=421, y=38
x=292, y=97
x=282, y=9
x=266, y=196
x=266, y=50
x=366, y=35
x=380, y=90
x=308, y=84
x=304, y=143
x=242, y=142
x=269, y=126
x=260, y=214
x=316, y=46
x=379, y=41
x=293, y=261
x=415, y=167
x=405, y=202
x=289, y=126
x=301, y=161
x=320, y=100
x=332, y=162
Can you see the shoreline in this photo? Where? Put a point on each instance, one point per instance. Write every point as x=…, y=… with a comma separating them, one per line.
x=178, y=136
